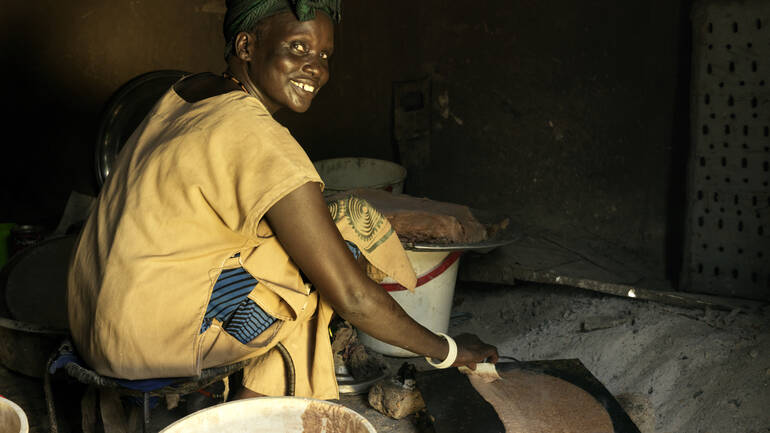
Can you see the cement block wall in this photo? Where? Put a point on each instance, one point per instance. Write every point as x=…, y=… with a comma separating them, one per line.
x=564, y=112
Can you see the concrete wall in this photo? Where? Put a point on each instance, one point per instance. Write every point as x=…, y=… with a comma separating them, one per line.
x=568, y=113
x=564, y=112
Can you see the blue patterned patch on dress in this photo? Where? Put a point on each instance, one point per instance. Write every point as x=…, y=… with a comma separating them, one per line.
x=241, y=317
x=248, y=321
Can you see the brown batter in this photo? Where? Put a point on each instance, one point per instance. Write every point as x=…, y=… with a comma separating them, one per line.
x=529, y=402
x=324, y=418
x=417, y=219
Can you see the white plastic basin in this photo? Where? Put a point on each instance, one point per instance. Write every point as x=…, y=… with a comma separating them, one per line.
x=429, y=305
x=274, y=415
x=342, y=174
x=12, y=417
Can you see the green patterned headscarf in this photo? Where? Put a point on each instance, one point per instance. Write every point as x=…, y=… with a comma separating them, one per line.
x=243, y=15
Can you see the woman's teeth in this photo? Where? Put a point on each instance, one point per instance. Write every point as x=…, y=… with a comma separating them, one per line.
x=303, y=86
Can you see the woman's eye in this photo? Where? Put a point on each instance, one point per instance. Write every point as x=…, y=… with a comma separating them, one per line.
x=325, y=55
x=299, y=46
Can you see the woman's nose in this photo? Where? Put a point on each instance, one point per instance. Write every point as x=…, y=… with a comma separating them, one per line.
x=314, y=67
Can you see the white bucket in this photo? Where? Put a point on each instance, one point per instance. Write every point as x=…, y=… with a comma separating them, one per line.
x=342, y=174
x=12, y=417
x=431, y=302
x=274, y=415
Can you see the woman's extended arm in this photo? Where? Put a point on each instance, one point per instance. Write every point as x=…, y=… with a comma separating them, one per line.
x=303, y=225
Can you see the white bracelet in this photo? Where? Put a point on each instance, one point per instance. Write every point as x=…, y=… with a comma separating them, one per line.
x=451, y=357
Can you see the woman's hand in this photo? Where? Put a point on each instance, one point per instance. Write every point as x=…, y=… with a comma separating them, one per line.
x=471, y=350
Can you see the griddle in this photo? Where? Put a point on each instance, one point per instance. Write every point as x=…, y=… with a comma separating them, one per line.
x=456, y=407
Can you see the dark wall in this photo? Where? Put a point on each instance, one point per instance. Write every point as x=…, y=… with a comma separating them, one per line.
x=568, y=113
x=61, y=62
x=562, y=111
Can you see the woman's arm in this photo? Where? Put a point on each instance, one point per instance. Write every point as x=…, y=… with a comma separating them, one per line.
x=303, y=225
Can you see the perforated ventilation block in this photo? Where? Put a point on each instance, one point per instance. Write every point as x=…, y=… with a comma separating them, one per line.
x=728, y=226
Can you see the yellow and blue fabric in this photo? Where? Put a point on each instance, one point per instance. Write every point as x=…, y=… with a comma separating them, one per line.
x=190, y=189
x=229, y=303
x=241, y=317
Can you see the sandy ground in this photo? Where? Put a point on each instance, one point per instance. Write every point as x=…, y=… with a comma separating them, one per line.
x=698, y=371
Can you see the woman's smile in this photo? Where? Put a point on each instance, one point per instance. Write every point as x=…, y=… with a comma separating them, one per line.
x=304, y=87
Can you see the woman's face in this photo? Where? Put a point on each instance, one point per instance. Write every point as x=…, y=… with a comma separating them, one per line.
x=291, y=61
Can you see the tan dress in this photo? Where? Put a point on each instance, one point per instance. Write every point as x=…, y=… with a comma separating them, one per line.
x=189, y=191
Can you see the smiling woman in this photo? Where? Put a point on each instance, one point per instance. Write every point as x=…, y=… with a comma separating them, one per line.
x=281, y=60
x=211, y=242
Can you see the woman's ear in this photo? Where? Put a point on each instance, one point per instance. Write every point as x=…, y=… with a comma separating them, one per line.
x=245, y=43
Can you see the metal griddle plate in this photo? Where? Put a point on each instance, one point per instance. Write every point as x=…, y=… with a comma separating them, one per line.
x=453, y=402
x=511, y=233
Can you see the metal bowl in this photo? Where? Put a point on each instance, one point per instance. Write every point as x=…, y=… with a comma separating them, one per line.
x=124, y=111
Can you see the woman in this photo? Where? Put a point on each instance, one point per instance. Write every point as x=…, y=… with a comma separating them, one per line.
x=192, y=257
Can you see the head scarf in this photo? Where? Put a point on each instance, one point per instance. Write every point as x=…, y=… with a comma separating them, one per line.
x=243, y=15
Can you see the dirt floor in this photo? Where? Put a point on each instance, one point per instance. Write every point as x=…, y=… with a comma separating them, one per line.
x=686, y=370
x=699, y=371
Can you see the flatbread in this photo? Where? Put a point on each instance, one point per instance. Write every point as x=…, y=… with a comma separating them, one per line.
x=529, y=402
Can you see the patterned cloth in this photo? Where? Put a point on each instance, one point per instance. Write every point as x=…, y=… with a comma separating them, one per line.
x=365, y=227
x=243, y=15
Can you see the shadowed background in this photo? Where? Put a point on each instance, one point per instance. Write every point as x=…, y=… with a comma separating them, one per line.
x=567, y=113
